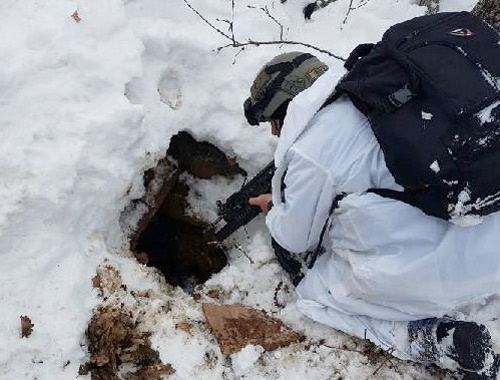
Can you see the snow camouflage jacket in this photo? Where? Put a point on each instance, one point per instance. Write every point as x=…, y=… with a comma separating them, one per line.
x=431, y=89
x=385, y=259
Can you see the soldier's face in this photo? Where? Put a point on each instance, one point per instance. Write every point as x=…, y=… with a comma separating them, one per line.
x=275, y=127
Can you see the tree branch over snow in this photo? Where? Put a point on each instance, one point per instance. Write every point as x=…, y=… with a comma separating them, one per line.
x=206, y=21
x=351, y=8
x=266, y=11
x=237, y=44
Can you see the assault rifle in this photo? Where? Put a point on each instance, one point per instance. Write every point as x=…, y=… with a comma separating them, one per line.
x=236, y=211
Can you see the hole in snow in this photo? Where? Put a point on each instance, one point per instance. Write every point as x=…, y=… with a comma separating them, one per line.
x=165, y=235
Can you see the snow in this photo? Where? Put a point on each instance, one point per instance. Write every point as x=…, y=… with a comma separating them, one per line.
x=485, y=115
x=90, y=102
x=426, y=115
x=245, y=359
x=435, y=167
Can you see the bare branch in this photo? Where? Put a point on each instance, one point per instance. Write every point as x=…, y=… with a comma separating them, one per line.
x=237, y=54
x=388, y=358
x=266, y=11
x=239, y=248
x=226, y=21
x=206, y=21
x=236, y=44
x=362, y=4
x=351, y=8
x=283, y=42
x=348, y=12
x=232, y=21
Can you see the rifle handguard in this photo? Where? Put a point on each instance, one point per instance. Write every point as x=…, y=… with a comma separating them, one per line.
x=236, y=211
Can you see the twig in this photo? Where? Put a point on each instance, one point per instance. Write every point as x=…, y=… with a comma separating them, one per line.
x=343, y=349
x=266, y=11
x=348, y=12
x=232, y=21
x=351, y=8
x=226, y=21
x=283, y=42
x=362, y=4
x=237, y=54
x=387, y=359
x=244, y=254
x=206, y=21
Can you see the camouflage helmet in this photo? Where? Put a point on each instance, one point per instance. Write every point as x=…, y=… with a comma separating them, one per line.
x=279, y=81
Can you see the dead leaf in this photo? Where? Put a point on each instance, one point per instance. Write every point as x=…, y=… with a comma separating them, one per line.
x=114, y=340
x=107, y=279
x=96, y=281
x=214, y=294
x=151, y=372
x=184, y=326
x=26, y=326
x=236, y=326
x=76, y=16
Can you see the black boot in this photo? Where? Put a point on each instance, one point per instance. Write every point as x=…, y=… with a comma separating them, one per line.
x=467, y=344
x=290, y=262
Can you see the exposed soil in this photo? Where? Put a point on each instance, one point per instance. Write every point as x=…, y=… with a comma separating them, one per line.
x=167, y=237
x=180, y=251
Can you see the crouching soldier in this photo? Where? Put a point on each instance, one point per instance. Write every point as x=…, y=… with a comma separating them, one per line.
x=384, y=269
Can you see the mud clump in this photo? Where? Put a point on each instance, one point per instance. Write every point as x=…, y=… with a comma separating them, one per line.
x=113, y=340
x=201, y=159
x=166, y=236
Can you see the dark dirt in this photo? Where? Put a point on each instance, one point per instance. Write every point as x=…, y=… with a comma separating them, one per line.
x=181, y=251
x=167, y=237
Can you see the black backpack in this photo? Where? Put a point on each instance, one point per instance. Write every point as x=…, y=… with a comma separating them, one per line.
x=431, y=90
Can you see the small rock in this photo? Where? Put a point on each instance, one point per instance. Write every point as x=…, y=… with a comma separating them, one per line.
x=236, y=326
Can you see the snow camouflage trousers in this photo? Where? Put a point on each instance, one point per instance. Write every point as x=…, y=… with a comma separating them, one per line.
x=464, y=347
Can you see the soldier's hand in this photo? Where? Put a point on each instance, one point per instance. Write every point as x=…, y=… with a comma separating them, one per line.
x=264, y=201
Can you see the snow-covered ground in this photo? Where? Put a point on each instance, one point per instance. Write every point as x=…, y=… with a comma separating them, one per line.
x=91, y=92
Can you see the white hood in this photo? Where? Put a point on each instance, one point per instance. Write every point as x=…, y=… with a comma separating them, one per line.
x=303, y=108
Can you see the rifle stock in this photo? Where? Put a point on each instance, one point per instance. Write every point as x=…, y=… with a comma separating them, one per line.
x=236, y=211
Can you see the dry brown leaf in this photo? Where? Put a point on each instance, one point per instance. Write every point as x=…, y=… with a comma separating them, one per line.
x=214, y=293
x=76, y=16
x=107, y=279
x=26, y=326
x=184, y=326
x=151, y=372
x=96, y=281
x=236, y=326
x=114, y=340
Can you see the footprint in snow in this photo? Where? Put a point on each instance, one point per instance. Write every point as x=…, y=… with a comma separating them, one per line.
x=169, y=89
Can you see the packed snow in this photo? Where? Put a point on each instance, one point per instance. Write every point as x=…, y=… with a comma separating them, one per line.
x=91, y=93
